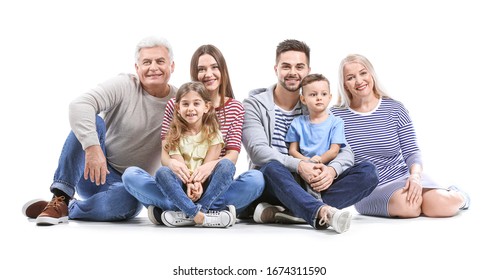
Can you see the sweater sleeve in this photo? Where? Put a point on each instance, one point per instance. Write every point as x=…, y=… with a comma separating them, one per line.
x=83, y=110
x=343, y=161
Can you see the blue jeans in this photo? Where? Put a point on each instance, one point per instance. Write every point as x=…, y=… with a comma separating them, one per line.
x=146, y=188
x=106, y=202
x=351, y=186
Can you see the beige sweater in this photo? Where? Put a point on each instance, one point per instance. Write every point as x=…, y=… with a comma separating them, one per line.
x=133, y=121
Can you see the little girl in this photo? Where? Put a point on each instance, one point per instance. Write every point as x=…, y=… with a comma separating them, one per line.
x=194, y=138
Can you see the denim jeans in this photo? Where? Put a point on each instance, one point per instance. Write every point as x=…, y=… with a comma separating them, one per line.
x=351, y=186
x=146, y=188
x=106, y=202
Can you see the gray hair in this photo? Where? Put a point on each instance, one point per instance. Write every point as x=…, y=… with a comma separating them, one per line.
x=345, y=97
x=150, y=42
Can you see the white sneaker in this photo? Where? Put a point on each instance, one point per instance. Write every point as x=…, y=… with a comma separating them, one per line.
x=176, y=219
x=339, y=220
x=232, y=210
x=218, y=219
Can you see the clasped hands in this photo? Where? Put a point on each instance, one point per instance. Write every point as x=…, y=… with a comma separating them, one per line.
x=317, y=175
x=193, y=180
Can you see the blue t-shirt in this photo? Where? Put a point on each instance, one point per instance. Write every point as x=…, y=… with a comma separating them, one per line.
x=316, y=138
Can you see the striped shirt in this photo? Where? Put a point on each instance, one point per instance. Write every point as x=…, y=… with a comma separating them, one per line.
x=283, y=120
x=385, y=137
x=230, y=117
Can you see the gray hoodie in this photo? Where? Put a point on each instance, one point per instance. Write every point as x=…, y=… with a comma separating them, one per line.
x=258, y=128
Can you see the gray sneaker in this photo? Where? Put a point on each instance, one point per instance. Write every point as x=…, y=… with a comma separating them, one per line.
x=265, y=213
x=268, y=213
x=176, y=219
x=339, y=220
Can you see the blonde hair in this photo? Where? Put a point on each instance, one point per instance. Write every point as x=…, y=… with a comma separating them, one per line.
x=178, y=126
x=345, y=97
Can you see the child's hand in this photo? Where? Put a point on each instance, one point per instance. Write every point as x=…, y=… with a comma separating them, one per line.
x=316, y=159
x=194, y=191
x=191, y=192
x=199, y=190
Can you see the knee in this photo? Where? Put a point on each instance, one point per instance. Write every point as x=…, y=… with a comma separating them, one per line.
x=437, y=204
x=398, y=206
x=226, y=166
x=130, y=174
x=370, y=173
x=255, y=177
x=163, y=173
x=271, y=167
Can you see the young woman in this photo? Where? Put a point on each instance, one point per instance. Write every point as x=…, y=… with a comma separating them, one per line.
x=209, y=67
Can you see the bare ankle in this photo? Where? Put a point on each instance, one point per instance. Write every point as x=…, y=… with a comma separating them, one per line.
x=199, y=218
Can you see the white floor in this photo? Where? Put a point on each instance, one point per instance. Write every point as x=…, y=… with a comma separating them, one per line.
x=422, y=248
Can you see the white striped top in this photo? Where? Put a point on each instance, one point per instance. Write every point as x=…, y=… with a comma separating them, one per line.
x=283, y=120
x=385, y=137
x=230, y=117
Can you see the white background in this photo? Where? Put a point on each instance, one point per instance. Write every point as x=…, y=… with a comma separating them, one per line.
x=440, y=58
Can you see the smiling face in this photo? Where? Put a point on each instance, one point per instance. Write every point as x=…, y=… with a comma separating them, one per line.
x=192, y=107
x=154, y=68
x=209, y=73
x=291, y=68
x=357, y=80
x=316, y=96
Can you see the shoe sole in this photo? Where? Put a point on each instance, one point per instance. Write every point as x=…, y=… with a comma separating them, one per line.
x=49, y=221
x=180, y=224
x=230, y=222
x=341, y=221
x=285, y=218
x=31, y=202
x=232, y=210
x=265, y=213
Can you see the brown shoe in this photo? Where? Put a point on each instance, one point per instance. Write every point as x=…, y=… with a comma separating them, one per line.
x=34, y=207
x=54, y=213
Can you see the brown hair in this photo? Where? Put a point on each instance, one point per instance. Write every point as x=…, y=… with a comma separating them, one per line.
x=292, y=45
x=178, y=126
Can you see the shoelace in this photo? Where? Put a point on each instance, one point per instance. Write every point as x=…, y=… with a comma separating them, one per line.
x=325, y=219
x=55, y=201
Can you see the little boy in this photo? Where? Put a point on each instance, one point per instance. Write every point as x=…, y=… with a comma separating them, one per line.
x=316, y=137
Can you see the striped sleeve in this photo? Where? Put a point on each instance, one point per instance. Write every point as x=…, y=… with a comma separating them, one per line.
x=231, y=118
x=407, y=136
x=167, y=117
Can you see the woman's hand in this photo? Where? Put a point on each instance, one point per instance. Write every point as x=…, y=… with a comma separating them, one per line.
x=203, y=172
x=178, y=167
x=413, y=188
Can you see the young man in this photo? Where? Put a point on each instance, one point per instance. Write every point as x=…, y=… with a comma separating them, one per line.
x=99, y=149
x=269, y=112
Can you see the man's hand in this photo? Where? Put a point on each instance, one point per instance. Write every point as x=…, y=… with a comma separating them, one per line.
x=308, y=170
x=95, y=165
x=324, y=180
